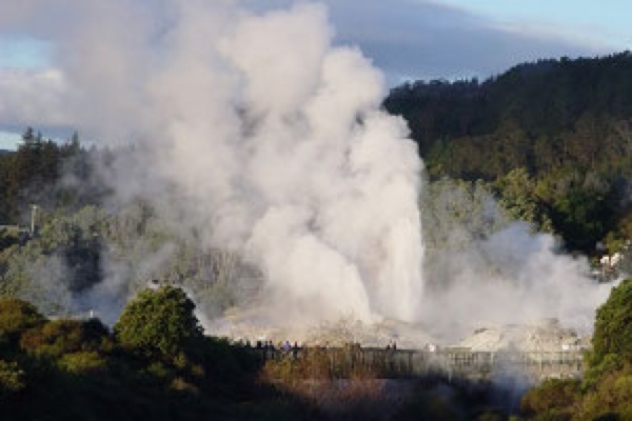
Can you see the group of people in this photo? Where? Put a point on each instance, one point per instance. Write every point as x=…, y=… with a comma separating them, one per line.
x=392, y=345
x=285, y=347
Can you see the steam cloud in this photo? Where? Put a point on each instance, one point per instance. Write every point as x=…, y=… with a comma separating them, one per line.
x=276, y=144
x=274, y=138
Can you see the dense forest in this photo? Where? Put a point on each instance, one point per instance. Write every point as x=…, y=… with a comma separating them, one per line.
x=552, y=138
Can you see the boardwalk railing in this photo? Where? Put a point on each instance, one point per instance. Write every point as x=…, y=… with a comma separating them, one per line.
x=451, y=362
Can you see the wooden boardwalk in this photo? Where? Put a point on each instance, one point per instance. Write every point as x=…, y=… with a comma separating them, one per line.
x=451, y=362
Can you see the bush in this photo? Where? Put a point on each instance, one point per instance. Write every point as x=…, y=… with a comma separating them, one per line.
x=613, y=326
x=554, y=397
x=16, y=316
x=611, y=396
x=159, y=322
x=12, y=378
x=60, y=337
x=606, y=390
x=83, y=362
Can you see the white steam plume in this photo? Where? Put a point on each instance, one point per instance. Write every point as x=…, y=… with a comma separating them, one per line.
x=277, y=147
x=274, y=137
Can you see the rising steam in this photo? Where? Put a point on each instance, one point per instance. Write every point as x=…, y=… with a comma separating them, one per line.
x=274, y=139
x=275, y=145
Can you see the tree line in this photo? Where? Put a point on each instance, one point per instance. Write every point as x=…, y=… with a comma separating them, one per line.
x=553, y=139
x=44, y=172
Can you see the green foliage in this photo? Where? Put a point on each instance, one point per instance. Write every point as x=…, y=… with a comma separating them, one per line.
x=30, y=175
x=71, y=369
x=610, y=398
x=540, y=99
x=59, y=337
x=456, y=213
x=613, y=326
x=551, y=136
x=519, y=197
x=16, y=316
x=159, y=322
x=12, y=378
x=83, y=362
x=555, y=399
x=606, y=389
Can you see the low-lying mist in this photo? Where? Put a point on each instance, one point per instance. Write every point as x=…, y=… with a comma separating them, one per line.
x=260, y=142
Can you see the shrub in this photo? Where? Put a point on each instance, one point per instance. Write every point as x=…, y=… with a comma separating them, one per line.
x=83, y=362
x=12, y=378
x=159, y=322
x=16, y=316
x=612, y=395
x=555, y=397
x=60, y=337
x=613, y=326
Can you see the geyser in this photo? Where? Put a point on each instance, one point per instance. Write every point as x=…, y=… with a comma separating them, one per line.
x=296, y=165
x=262, y=137
x=272, y=137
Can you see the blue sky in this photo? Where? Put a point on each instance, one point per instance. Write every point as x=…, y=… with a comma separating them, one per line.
x=511, y=30
x=407, y=39
x=424, y=39
x=23, y=51
x=607, y=21
x=8, y=140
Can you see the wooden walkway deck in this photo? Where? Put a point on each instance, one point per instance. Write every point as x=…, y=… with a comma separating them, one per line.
x=451, y=362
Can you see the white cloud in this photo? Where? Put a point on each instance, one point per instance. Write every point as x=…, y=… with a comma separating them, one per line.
x=32, y=97
x=426, y=39
x=405, y=38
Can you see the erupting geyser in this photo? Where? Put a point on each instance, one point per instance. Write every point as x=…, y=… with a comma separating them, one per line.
x=262, y=137
x=273, y=137
x=329, y=182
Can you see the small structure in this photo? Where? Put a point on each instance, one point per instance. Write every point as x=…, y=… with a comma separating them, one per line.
x=609, y=267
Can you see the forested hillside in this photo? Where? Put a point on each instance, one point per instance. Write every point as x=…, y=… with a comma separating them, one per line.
x=553, y=138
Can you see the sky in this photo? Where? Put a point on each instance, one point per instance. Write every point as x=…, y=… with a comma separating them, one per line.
x=418, y=39
x=605, y=22
x=8, y=140
x=406, y=39
x=23, y=52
